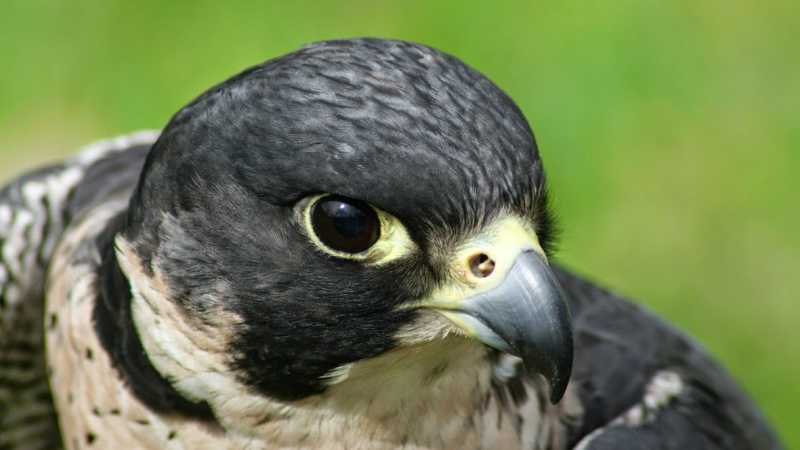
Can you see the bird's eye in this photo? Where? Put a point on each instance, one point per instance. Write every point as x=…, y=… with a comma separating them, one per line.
x=345, y=224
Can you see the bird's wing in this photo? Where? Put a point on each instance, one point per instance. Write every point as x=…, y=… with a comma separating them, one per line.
x=642, y=384
x=34, y=211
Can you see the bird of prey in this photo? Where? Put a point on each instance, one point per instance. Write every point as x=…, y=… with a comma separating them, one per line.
x=347, y=247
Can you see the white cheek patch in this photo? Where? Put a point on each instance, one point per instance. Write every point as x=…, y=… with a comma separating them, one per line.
x=194, y=357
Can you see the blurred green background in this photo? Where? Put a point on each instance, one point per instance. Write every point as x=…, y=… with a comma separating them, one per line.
x=669, y=129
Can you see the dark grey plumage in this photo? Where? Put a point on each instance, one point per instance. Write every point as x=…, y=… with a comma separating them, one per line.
x=214, y=221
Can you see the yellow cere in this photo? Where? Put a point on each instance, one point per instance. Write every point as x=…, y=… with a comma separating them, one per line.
x=502, y=240
x=394, y=242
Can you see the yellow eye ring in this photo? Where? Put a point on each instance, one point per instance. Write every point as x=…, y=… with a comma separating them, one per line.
x=352, y=229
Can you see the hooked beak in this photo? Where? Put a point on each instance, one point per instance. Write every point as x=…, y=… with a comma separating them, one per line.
x=524, y=315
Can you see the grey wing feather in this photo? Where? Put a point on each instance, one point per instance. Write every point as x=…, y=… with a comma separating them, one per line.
x=34, y=211
x=644, y=384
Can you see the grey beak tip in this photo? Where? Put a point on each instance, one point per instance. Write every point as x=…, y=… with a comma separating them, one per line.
x=527, y=315
x=558, y=386
x=562, y=373
x=555, y=365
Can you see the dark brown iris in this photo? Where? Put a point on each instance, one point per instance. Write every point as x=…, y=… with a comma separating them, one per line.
x=345, y=224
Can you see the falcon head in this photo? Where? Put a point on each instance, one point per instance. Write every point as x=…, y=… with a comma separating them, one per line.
x=350, y=203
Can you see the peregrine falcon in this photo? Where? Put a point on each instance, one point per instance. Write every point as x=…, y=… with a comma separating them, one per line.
x=347, y=247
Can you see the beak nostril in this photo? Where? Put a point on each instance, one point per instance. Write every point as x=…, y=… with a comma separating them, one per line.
x=481, y=265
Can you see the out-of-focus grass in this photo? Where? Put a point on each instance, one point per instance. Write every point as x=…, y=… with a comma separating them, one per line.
x=670, y=129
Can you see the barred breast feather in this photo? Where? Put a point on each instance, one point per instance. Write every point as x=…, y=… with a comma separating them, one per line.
x=35, y=209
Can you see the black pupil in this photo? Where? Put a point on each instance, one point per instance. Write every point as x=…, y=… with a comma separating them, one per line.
x=345, y=224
